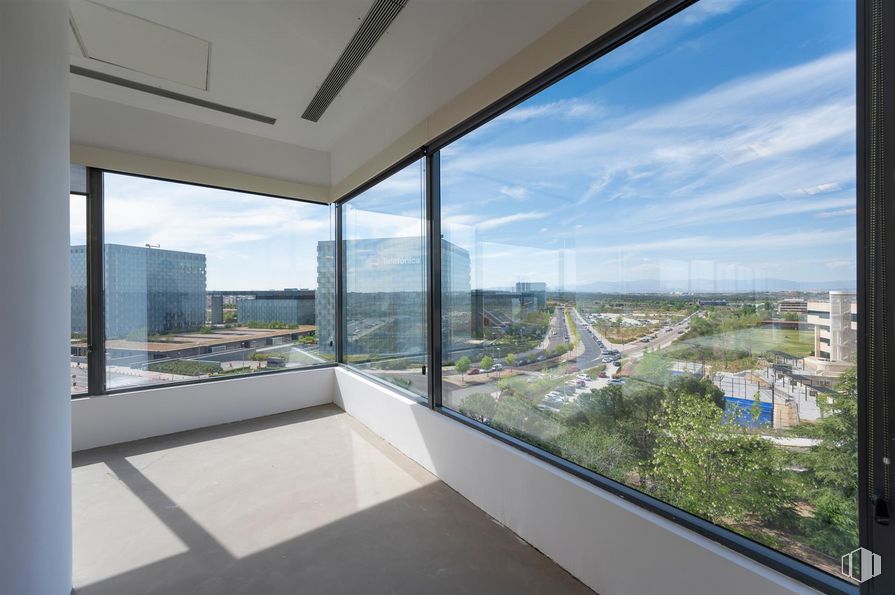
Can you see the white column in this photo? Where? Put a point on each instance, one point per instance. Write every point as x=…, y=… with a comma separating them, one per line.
x=35, y=410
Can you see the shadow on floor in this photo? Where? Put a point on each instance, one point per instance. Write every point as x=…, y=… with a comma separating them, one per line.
x=427, y=541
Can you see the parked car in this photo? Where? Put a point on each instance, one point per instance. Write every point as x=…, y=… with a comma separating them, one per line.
x=603, y=375
x=607, y=360
x=474, y=371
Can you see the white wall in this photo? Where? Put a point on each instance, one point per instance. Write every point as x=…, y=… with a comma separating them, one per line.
x=35, y=461
x=100, y=421
x=613, y=546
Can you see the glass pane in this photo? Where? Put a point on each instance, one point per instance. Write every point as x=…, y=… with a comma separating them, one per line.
x=78, y=258
x=385, y=280
x=201, y=282
x=650, y=270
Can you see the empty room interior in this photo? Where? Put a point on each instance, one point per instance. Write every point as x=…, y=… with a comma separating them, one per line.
x=446, y=296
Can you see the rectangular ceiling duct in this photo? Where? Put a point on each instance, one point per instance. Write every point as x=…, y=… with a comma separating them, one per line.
x=374, y=25
x=152, y=90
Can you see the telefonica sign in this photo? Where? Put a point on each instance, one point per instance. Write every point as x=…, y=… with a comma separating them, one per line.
x=390, y=261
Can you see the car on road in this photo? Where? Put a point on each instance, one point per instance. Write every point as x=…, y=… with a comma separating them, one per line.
x=474, y=371
x=542, y=357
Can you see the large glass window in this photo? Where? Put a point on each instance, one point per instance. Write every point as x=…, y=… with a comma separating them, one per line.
x=385, y=280
x=201, y=282
x=78, y=256
x=649, y=270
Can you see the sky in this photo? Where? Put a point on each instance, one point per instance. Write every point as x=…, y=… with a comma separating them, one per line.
x=718, y=145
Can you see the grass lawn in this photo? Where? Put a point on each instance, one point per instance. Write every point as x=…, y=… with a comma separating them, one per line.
x=797, y=343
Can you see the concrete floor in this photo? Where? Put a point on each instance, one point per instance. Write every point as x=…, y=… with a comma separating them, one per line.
x=300, y=503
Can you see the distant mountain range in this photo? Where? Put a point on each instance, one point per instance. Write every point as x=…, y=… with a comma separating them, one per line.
x=711, y=286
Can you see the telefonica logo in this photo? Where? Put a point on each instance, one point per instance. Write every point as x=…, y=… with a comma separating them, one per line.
x=861, y=565
x=390, y=261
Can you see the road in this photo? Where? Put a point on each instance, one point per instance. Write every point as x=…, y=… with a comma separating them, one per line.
x=592, y=355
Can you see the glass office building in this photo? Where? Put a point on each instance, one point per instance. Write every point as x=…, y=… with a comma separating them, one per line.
x=284, y=307
x=389, y=287
x=147, y=290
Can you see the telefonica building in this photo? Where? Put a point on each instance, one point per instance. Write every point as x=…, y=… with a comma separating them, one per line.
x=384, y=293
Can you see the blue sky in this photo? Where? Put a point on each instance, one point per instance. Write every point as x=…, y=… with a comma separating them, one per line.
x=718, y=145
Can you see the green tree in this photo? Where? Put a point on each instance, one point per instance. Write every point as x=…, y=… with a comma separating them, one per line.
x=462, y=365
x=487, y=362
x=479, y=406
x=607, y=454
x=519, y=417
x=511, y=359
x=712, y=467
x=625, y=410
x=832, y=471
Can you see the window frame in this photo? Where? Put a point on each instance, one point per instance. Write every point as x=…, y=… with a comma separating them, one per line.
x=416, y=155
x=96, y=324
x=874, y=55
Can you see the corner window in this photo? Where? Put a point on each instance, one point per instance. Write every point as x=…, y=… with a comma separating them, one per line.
x=649, y=269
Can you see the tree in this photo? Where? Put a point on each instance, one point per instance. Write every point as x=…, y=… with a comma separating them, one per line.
x=511, y=359
x=714, y=468
x=607, y=454
x=462, y=365
x=479, y=406
x=832, y=471
x=519, y=417
x=487, y=362
x=625, y=410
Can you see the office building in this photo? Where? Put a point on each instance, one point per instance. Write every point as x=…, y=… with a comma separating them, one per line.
x=387, y=285
x=835, y=323
x=148, y=291
x=538, y=290
x=796, y=305
x=290, y=307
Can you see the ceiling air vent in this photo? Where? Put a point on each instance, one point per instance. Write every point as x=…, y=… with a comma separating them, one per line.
x=374, y=25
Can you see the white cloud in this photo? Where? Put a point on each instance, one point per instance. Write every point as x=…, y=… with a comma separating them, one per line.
x=516, y=192
x=566, y=108
x=495, y=222
x=839, y=213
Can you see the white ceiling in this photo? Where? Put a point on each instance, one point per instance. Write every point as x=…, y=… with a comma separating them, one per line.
x=269, y=57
